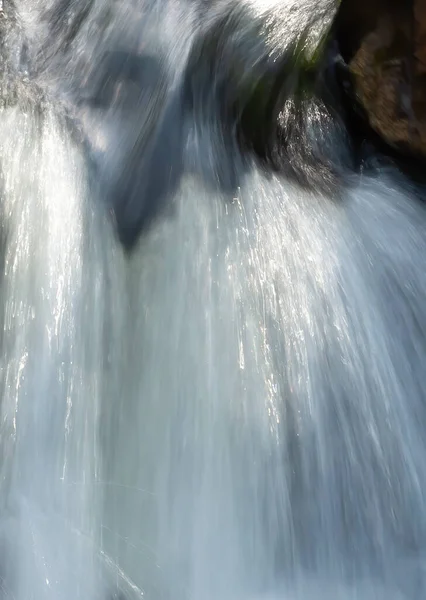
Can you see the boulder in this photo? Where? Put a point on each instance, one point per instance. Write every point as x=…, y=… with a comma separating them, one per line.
x=384, y=44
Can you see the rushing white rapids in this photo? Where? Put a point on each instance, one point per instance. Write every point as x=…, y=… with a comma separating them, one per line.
x=236, y=411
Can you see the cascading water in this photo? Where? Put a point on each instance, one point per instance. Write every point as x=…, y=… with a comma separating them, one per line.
x=236, y=410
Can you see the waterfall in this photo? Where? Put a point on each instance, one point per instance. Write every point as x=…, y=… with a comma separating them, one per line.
x=235, y=409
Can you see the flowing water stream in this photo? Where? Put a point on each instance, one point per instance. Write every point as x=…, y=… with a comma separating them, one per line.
x=235, y=410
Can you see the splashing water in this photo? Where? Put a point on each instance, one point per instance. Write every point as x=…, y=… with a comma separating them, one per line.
x=236, y=410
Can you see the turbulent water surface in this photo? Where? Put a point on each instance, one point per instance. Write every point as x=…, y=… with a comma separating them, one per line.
x=234, y=410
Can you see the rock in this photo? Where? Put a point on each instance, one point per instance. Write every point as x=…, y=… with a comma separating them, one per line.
x=420, y=35
x=384, y=44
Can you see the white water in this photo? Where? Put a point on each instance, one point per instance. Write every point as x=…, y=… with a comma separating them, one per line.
x=234, y=412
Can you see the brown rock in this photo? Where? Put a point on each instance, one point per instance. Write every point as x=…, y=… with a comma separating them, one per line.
x=385, y=45
x=420, y=34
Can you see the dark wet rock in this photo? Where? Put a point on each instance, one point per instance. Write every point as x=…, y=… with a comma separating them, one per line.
x=420, y=35
x=384, y=44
